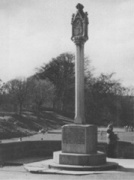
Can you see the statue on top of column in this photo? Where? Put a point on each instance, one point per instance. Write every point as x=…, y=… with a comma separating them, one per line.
x=79, y=25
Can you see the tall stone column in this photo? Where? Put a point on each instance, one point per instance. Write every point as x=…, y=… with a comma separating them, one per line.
x=79, y=36
x=79, y=84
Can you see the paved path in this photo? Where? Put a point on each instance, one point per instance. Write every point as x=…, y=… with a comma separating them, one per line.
x=51, y=135
x=19, y=173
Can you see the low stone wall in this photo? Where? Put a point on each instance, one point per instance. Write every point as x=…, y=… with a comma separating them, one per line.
x=16, y=150
x=124, y=149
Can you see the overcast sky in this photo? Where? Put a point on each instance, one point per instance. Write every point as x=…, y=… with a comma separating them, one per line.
x=34, y=31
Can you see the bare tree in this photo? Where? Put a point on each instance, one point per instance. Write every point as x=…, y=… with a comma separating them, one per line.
x=41, y=94
x=17, y=90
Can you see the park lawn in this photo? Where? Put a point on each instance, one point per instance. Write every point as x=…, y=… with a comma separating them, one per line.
x=13, y=125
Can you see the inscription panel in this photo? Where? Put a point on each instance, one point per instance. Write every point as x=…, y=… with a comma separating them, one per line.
x=73, y=135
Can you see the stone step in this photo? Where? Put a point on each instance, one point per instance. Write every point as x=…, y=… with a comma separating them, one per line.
x=79, y=159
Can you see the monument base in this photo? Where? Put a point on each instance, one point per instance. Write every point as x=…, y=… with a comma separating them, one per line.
x=79, y=153
x=79, y=147
x=79, y=150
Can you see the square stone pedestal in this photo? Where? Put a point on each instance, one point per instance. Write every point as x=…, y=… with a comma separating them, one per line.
x=80, y=139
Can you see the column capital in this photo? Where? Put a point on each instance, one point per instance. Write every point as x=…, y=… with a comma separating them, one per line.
x=79, y=40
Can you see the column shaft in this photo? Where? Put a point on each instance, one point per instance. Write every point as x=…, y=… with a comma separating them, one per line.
x=79, y=85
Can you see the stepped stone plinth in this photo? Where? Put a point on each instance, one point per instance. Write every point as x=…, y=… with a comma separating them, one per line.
x=79, y=159
x=79, y=146
x=79, y=150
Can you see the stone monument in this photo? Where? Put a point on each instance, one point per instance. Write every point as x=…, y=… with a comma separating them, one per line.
x=79, y=140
